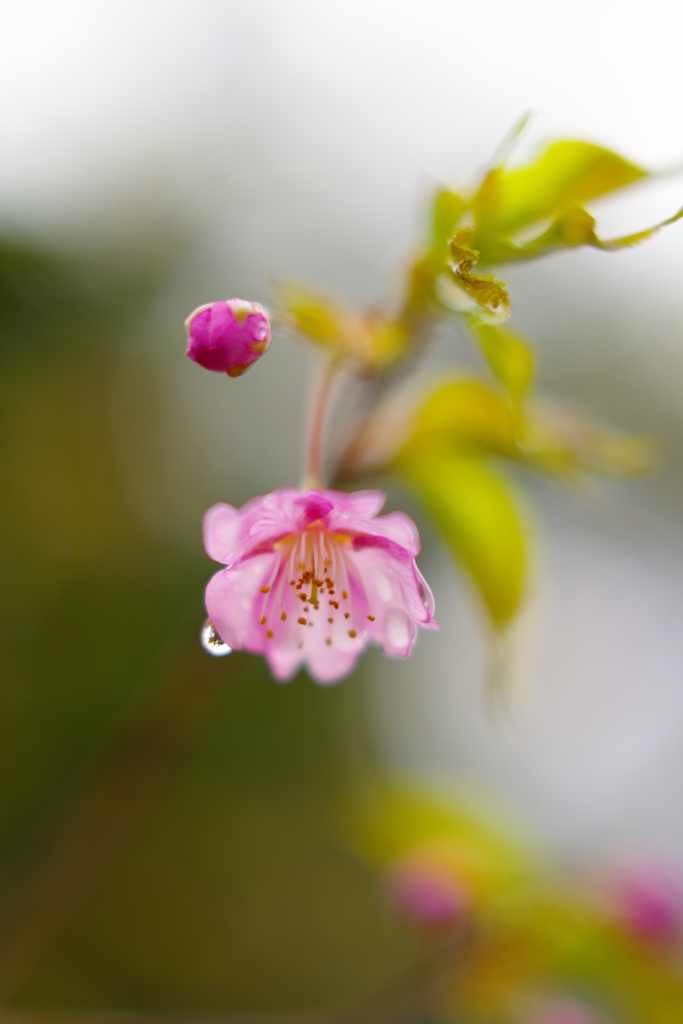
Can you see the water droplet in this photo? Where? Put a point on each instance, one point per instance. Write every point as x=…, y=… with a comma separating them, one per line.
x=211, y=641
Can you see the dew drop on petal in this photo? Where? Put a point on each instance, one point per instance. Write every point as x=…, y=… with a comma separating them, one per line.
x=211, y=641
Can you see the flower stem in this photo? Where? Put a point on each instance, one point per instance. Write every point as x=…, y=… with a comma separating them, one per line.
x=322, y=394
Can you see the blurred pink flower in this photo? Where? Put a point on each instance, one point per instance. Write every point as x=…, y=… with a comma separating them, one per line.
x=227, y=336
x=427, y=894
x=315, y=576
x=648, y=901
x=565, y=1012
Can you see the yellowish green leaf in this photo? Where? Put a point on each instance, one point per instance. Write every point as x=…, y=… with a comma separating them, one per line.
x=566, y=444
x=639, y=236
x=464, y=415
x=447, y=213
x=313, y=315
x=566, y=174
x=510, y=358
x=397, y=820
x=571, y=228
x=372, y=341
x=477, y=515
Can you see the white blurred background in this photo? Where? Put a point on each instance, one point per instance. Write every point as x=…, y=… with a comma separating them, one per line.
x=300, y=139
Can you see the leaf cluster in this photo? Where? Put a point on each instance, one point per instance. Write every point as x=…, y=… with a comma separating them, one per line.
x=447, y=448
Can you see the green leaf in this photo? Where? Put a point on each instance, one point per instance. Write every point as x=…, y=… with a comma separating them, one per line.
x=465, y=415
x=510, y=358
x=566, y=445
x=397, y=820
x=571, y=228
x=476, y=513
x=565, y=174
x=372, y=340
x=313, y=315
x=446, y=216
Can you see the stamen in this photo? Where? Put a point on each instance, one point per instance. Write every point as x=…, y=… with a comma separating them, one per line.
x=265, y=590
x=269, y=634
x=372, y=618
x=344, y=595
x=302, y=622
x=329, y=641
x=263, y=620
x=330, y=620
x=283, y=616
x=346, y=615
x=353, y=634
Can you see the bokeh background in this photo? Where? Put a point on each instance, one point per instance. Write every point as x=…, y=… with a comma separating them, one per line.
x=168, y=836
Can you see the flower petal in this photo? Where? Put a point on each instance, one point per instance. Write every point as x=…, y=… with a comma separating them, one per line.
x=232, y=601
x=230, y=533
x=397, y=596
x=353, y=518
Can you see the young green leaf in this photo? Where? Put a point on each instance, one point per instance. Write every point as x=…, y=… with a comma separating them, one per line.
x=510, y=358
x=372, y=341
x=477, y=515
x=566, y=174
x=464, y=415
x=447, y=213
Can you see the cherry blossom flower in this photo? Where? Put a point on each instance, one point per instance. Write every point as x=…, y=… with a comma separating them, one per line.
x=227, y=336
x=315, y=576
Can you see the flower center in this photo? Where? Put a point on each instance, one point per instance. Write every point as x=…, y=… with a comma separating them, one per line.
x=312, y=567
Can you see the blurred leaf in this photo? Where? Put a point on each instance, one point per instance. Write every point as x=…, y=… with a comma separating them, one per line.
x=313, y=315
x=476, y=513
x=446, y=215
x=398, y=819
x=373, y=341
x=486, y=291
x=566, y=174
x=466, y=415
x=566, y=444
x=447, y=212
x=510, y=358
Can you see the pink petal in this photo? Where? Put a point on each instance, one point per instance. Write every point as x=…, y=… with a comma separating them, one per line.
x=358, y=503
x=232, y=601
x=396, y=595
x=396, y=526
x=230, y=534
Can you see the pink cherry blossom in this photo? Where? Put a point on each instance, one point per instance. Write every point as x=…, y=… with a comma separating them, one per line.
x=315, y=576
x=227, y=336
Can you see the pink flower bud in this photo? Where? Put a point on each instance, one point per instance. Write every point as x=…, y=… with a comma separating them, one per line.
x=227, y=336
